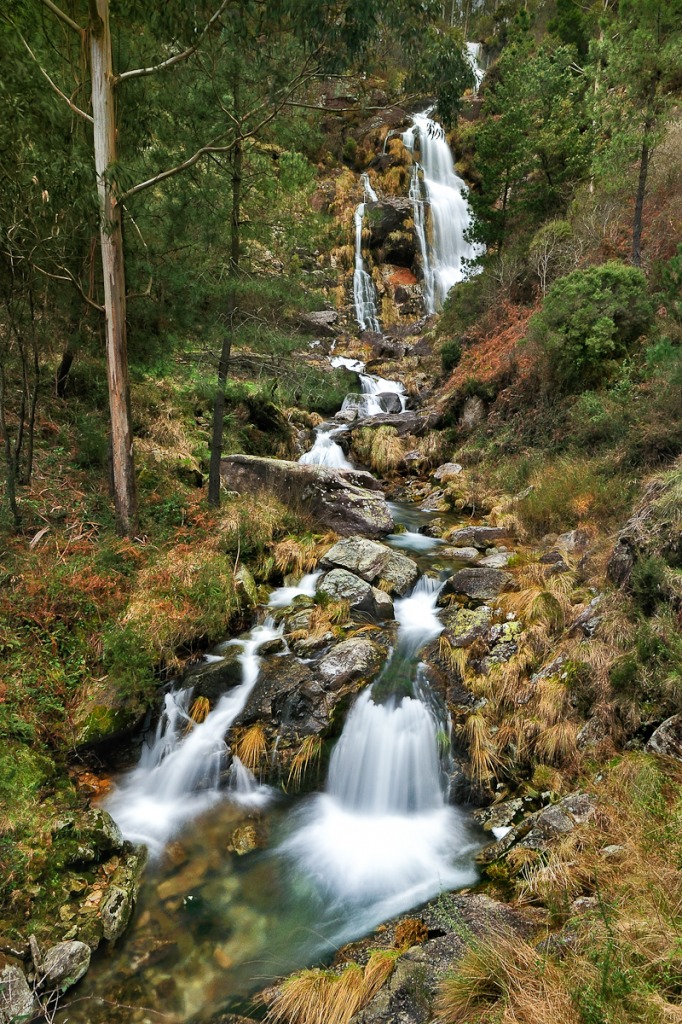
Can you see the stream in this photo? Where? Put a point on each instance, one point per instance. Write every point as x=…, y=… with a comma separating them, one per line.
x=212, y=927
x=214, y=924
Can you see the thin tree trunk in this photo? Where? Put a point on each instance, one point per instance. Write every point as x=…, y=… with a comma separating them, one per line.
x=224, y=363
x=111, y=244
x=644, y=171
x=10, y=464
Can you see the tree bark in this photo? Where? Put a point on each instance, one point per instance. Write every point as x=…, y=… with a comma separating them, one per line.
x=223, y=365
x=645, y=156
x=111, y=244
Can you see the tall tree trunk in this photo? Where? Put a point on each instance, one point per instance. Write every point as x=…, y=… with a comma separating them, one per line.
x=111, y=244
x=644, y=159
x=224, y=363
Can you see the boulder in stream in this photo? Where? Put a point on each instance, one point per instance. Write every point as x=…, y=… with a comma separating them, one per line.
x=481, y=537
x=353, y=659
x=341, y=585
x=329, y=496
x=373, y=562
x=63, y=965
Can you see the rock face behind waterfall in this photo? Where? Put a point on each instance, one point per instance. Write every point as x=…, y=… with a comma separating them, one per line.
x=333, y=498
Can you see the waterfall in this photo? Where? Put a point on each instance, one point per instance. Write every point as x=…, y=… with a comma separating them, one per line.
x=179, y=774
x=326, y=451
x=364, y=293
x=446, y=253
x=378, y=395
x=382, y=836
x=473, y=51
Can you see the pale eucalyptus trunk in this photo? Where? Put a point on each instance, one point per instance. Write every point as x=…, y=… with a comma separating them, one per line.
x=111, y=243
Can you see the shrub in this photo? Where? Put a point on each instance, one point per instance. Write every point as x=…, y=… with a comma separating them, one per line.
x=450, y=355
x=590, y=318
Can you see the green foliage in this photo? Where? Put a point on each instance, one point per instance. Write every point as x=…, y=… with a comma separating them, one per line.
x=442, y=68
x=450, y=355
x=574, y=490
x=589, y=319
x=672, y=284
x=647, y=583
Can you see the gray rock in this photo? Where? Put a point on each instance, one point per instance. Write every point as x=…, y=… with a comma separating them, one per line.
x=464, y=625
x=574, y=542
x=540, y=829
x=499, y=815
x=404, y=422
x=478, y=584
x=212, y=679
x=353, y=659
x=667, y=739
x=447, y=471
x=473, y=413
x=341, y=585
x=463, y=554
x=321, y=322
x=480, y=537
x=497, y=561
x=436, y=501
x=373, y=562
x=17, y=1002
x=115, y=911
x=592, y=734
x=331, y=498
x=588, y=621
x=63, y=965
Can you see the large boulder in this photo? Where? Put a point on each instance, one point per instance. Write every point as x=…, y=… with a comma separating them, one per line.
x=404, y=422
x=353, y=659
x=667, y=739
x=477, y=584
x=391, y=230
x=322, y=322
x=17, y=1001
x=328, y=496
x=373, y=562
x=63, y=965
x=480, y=537
x=341, y=585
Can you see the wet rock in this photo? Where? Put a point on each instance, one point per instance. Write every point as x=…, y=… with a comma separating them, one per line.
x=391, y=230
x=63, y=965
x=356, y=658
x=328, y=496
x=289, y=696
x=341, y=585
x=212, y=679
x=373, y=562
x=480, y=537
x=322, y=322
x=17, y=1002
x=667, y=739
x=119, y=899
x=464, y=625
x=447, y=471
x=389, y=402
x=437, y=501
x=477, y=584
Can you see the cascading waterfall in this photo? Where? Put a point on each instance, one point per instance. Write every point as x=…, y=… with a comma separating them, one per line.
x=473, y=51
x=447, y=255
x=383, y=837
x=180, y=772
x=364, y=292
x=326, y=451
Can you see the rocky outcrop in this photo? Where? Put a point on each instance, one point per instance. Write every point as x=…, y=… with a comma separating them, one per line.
x=322, y=323
x=392, y=237
x=667, y=739
x=328, y=496
x=480, y=537
x=17, y=1001
x=477, y=584
x=353, y=659
x=63, y=965
x=341, y=585
x=404, y=422
x=538, y=830
x=373, y=562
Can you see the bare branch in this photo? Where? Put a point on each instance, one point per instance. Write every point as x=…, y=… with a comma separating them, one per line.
x=140, y=72
x=72, y=105
x=68, y=276
x=63, y=17
x=189, y=162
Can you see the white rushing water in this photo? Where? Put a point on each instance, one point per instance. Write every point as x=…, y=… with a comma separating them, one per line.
x=326, y=451
x=283, y=596
x=364, y=292
x=383, y=837
x=180, y=771
x=473, y=51
x=447, y=254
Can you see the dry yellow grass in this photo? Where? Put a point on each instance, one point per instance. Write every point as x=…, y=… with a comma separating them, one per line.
x=200, y=709
x=325, y=997
x=251, y=747
x=503, y=978
x=307, y=754
x=484, y=760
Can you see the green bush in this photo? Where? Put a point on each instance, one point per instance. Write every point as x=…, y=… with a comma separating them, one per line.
x=672, y=284
x=450, y=355
x=589, y=319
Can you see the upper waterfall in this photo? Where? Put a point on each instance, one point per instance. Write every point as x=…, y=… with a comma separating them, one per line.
x=447, y=253
x=364, y=293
